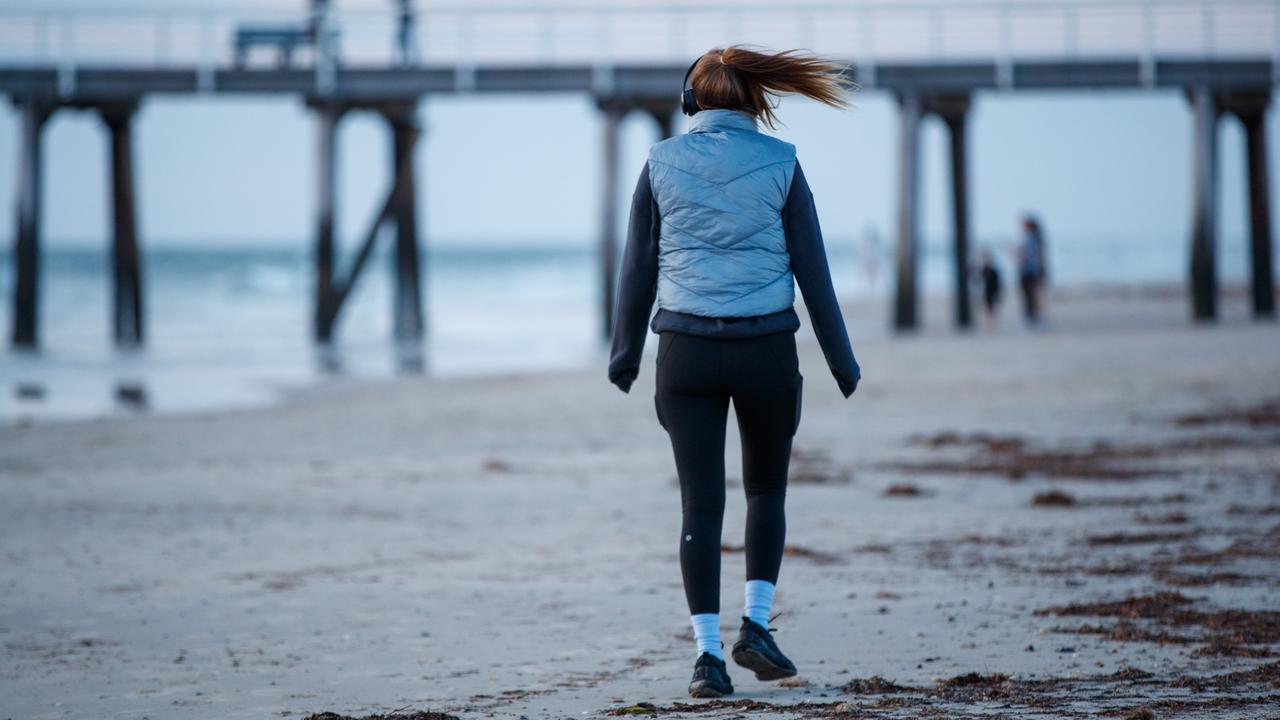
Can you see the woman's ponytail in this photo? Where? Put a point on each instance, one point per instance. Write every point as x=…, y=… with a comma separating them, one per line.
x=740, y=79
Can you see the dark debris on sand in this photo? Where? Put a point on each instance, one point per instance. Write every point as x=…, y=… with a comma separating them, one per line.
x=393, y=715
x=643, y=708
x=1138, y=713
x=1129, y=632
x=1183, y=554
x=985, y=687
x=1060, y=499
x=1053, y=498
x=815, y=467
x=1263, y=414
x=986, y=441
x=801, y=552
x=1127, y=693
x=903, y=490
x=1171, y=617
x=1015, y=458
x=874, y=685
x=1261, y=511
x=1173, y=518
x=1265, y=545
x=1143, y=538
x=1215, y=707
x=1267, y=675
x=1209, y=579
x=1056, y=694
x=708, y=706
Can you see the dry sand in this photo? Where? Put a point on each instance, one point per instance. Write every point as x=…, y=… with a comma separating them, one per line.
x=507, y=546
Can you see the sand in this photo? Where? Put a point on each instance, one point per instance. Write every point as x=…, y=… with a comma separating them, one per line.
x=507, y=546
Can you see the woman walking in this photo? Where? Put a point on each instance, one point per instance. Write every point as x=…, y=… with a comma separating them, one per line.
x=722, y=228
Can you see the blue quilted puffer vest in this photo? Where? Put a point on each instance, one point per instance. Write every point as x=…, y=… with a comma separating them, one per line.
x=720, y=189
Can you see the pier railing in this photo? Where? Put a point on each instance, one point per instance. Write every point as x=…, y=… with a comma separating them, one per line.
x=107, y=33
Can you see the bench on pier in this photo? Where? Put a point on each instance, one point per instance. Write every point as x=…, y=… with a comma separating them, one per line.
x=284, y=38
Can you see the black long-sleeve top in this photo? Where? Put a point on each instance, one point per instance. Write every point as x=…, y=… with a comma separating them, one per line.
x=639, y=286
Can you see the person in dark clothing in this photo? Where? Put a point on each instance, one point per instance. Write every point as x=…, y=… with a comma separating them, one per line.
x=405, y=40
x=723, y=227
x=992, y=286
x=1032, y=269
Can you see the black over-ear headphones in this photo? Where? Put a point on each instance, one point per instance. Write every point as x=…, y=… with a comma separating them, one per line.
x=688, y=103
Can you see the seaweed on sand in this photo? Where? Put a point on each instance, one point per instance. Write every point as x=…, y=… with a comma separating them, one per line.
x=1015, y=458
x=1263, y=414
x=816, y=467
x=393, y=715
x=1237, y=632
x=801, y=552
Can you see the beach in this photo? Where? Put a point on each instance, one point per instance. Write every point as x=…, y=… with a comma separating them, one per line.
x=1073, y=522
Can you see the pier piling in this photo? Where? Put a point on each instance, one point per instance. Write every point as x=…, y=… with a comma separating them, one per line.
x=402, y=118
x=328, y=114
x=1203, y=271
x=127, y=312
x=26, y=240
x=664, y=117
x=954, y=112
x=399, y=207
x=613, y=113
x=907, y=261
x=1252, y=112
x=960, y=210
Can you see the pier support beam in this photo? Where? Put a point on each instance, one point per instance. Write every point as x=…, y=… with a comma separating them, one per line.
x=127, y=322
x=613, y=113
x=1263, y=283
x=954, y=111
x=906, y=292
x=328, y=114
x=664, y=115
x=1251, y=110
x=408, y=285
x=1203, y=270
x=26, y=239
x=399, y=207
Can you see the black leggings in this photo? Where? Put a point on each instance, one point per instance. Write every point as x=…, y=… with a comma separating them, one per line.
x=697, y=377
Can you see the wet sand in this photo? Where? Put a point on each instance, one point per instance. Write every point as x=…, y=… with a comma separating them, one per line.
x=1077, y=523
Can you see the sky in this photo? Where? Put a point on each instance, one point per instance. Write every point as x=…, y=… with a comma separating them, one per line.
x=516, y=169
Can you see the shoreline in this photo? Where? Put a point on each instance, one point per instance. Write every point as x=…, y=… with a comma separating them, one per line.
x=49, y=387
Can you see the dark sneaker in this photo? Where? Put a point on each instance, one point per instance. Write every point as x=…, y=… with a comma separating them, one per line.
x=710, y=678
x=757, y=652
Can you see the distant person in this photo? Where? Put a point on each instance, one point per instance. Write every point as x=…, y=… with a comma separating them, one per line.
x=322, y=33
x=992, y=286
x=405, y=43
x=317, y=18
x=1032, y=269
x=722, y=227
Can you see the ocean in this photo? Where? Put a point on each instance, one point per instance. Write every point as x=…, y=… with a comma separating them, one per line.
x=228, y=324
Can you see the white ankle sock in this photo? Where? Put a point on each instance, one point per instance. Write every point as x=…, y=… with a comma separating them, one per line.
x=759, y=601
x=706, y=630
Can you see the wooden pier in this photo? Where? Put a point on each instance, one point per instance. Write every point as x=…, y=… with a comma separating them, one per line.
x=1238, y=85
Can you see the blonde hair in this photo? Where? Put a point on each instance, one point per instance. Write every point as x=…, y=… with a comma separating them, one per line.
x=737, y=78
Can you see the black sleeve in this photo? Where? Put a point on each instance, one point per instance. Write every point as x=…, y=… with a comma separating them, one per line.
x=809, y=265
x=637, y=286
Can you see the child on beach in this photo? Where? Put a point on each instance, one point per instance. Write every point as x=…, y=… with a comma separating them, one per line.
x=992, y=286
x=723, y=226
